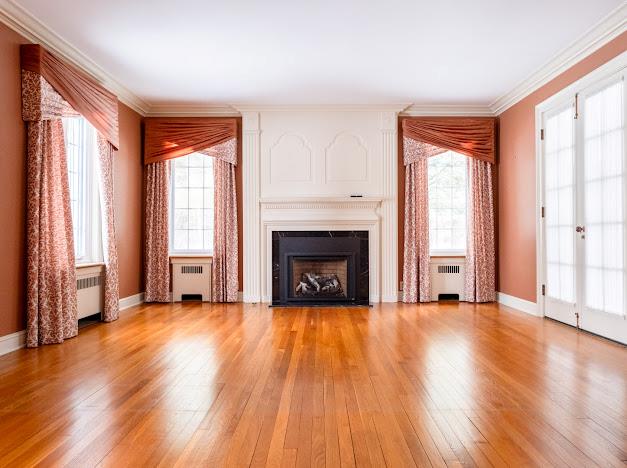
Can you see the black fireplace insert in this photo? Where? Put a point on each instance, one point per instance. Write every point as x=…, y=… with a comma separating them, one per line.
x=320, y=268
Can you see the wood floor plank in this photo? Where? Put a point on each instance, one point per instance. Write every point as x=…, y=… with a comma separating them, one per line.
x=245, y=385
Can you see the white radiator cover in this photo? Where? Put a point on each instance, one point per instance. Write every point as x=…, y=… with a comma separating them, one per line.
x=447, y=276
x=90, y=290
x=191, y=275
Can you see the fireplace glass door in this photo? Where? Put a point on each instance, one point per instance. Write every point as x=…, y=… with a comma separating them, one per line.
x=319, y=277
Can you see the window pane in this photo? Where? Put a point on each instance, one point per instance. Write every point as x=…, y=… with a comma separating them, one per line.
x=560, y=205
x=192, y=204
x=78, y=139
x=447, y=174
x=603, y=199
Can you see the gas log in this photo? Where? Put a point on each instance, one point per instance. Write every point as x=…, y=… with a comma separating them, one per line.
x=313, y=284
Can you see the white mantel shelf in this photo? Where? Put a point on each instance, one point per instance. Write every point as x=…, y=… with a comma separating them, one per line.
x=321, y=202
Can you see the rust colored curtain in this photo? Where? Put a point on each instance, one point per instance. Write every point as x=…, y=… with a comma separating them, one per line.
x=472, y=136
x=84, y=94
x=416, y=276
x=169, y=138
x=480, y=256
x=225, y=259
x=111, y=310
x=157, y=224
x=51, y=306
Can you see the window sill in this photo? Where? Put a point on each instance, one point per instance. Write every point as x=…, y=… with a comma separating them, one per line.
x=89, y=265
x=189, y=258
x=88, y=269
x=190, y=255
x=448, y=255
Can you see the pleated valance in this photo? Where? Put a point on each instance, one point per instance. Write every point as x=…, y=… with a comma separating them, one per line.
x=172, y=137
x=472, y=136
x=82, y=93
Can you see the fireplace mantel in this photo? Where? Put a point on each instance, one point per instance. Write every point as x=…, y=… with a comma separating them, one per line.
x=320, y=214
x=299, y=169
x=303, y=203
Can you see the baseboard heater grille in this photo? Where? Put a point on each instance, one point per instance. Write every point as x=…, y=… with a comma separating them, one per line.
x=192, y=269
x=90, y=282
x=191, y=279
x=448, y=268
x=89, y=293
x=447, y=279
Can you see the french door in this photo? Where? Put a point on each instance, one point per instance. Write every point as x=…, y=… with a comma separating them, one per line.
x=584, y=189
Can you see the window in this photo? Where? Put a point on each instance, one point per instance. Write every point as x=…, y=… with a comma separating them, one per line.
x=447, y=203
x=191, y=205
x=80, y=145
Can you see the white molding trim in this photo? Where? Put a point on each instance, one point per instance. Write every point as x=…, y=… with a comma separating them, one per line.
x=23, y=22
x=192, y=110
x=12, y=342
x=420, y=110
x=391, y=107
x=251, y=175
x=389, y=207
x=610, y=27
x=130, y=301
x=517, y=303
x=300, y=203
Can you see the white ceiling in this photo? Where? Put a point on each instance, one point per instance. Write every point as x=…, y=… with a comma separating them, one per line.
x=320, y=52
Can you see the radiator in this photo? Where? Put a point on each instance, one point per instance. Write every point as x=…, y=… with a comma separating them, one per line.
x=447, y=278
x=89, y=291
x=191, y=278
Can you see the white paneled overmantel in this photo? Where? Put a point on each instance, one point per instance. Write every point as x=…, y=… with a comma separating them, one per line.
x=317, y=168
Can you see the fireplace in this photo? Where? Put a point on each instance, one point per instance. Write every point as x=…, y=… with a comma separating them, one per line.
x=319, y=268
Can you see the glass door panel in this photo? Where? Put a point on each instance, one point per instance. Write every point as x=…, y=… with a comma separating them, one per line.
x=603, y=212
x=559, y=221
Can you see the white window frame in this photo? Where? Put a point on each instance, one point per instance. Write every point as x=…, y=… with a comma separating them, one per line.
x=600, y=74
x=92, y=214
x=452, y=252
x=172, y=203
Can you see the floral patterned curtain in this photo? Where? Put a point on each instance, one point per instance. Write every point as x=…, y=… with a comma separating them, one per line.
x=111, y=310
x=51, y=270
x=416, y=277
x=225, y=251
x=225, y=259
x=157, y=224
x=51, y=307
x=480, y=252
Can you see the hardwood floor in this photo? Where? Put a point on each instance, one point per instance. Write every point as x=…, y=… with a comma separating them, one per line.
x=245, y=385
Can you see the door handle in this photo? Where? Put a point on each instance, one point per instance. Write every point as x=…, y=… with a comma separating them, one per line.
x=580, y=229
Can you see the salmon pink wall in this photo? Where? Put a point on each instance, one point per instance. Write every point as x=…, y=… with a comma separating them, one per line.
x=128, y=192
x=517, y=181
x=128, y=180
x=12, y=185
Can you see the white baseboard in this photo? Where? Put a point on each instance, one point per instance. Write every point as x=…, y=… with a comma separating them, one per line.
x=12, y=342
x=131, y=301
x=518, y=304
x=17, y=340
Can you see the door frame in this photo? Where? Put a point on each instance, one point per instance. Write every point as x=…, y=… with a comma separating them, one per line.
x=604, y=71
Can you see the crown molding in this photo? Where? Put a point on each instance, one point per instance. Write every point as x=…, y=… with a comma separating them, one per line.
x=610, y=27
x=392, y=107
x=419, y=110
x=24, y=23
x=192, y=110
